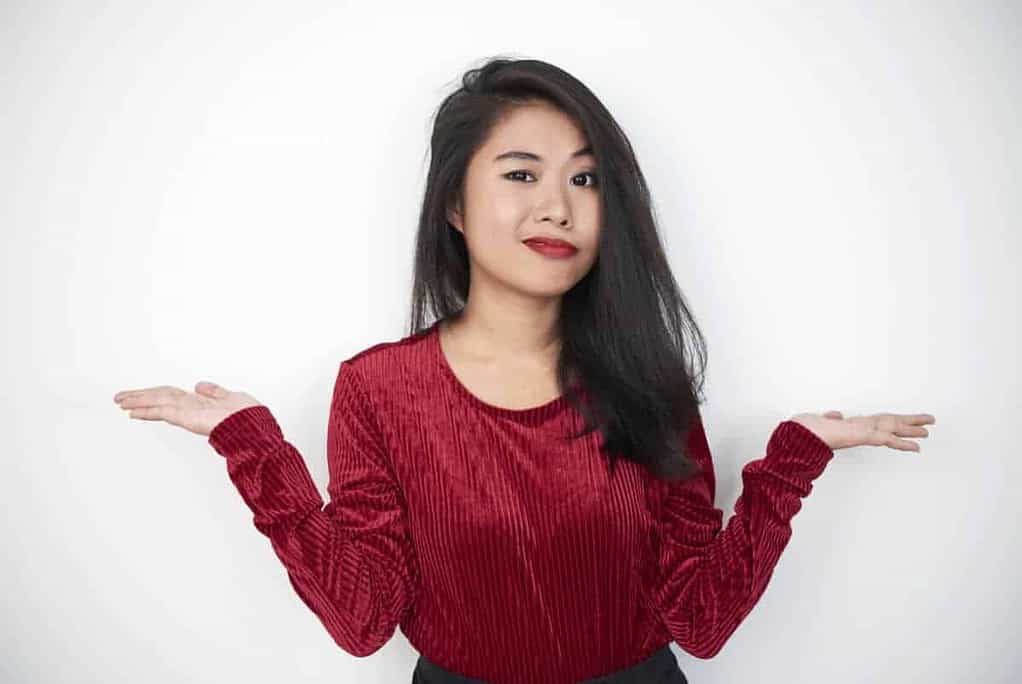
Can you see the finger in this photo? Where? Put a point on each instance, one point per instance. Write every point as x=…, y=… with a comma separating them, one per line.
x=156, y=396
x=141, y=390
x=901, y=444
x=123, y=394
x=910, y=418
x=137, y=400
x=147, y=413
x=911, y=431
x=210, y=389
x=169, y=413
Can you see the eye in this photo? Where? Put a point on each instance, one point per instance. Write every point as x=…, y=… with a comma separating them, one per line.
x=513, y=175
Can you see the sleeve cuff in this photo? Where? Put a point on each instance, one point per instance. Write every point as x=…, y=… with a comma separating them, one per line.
x=251, y=427
x=794, y=446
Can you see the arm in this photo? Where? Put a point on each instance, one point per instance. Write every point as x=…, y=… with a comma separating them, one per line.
x=352, y=562
x=710, y=578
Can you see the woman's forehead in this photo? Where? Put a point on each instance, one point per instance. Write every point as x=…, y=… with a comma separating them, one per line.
x=539, y=130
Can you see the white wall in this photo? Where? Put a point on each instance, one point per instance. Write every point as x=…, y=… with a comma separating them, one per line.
x=229, y=192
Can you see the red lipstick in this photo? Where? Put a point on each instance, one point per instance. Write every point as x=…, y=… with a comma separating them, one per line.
x=551, y=247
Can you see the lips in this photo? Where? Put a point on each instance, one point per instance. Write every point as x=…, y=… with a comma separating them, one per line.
x=551, y=242
x=554, y=248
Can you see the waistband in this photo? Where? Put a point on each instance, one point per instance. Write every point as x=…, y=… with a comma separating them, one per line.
x=661, y=667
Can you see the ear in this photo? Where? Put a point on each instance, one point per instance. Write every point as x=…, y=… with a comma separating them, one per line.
x=454, y=216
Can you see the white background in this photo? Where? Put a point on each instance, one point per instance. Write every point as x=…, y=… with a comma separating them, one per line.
x=229, y=191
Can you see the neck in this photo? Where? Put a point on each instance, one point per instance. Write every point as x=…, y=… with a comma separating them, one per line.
x=509, y=338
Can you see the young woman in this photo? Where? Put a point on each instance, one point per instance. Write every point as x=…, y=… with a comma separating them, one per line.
x=524, y=485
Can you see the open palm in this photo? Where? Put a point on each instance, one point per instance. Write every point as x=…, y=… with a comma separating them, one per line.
x=878, y=429
x=197, y=411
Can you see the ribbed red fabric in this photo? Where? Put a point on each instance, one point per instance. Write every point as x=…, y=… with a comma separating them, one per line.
x=503, y=553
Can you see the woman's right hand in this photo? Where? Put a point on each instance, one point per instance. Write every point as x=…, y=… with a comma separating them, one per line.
x=197, y=412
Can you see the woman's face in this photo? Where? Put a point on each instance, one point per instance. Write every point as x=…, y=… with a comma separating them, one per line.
x=511, y=197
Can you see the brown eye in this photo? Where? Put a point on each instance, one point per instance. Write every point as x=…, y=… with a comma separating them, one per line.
x=512, y=173
x=515, y=175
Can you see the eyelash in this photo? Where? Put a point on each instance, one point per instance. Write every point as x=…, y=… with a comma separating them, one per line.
x=596, y=179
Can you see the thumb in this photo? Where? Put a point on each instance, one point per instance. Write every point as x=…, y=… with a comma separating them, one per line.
x=210, y=389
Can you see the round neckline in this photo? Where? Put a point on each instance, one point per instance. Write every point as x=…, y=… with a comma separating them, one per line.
x=548, y=409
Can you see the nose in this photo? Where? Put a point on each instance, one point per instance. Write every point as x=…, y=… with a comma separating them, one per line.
x=553, y=208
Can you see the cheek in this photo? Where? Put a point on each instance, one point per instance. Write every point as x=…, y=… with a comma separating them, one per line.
x=508, y=209
x=497, y=208
x=592, y=222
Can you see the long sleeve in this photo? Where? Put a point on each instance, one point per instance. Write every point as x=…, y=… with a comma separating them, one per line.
x=351, y=562
x=710, y=578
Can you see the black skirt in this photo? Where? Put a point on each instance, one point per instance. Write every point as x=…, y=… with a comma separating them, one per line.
x=659, y=668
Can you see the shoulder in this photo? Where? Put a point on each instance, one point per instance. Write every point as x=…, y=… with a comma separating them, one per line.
x=390, y=362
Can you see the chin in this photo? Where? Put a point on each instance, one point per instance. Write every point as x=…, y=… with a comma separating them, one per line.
x=550, y=287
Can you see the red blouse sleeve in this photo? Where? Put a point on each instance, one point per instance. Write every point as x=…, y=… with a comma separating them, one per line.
x=352, y=562
x=711, y=576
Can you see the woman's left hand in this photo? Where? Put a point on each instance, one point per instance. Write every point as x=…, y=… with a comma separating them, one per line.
x=879, y=429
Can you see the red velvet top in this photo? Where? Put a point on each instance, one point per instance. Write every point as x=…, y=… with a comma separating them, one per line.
x=503, y=553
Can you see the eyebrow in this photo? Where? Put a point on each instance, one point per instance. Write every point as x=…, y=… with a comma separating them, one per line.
x=518, y=154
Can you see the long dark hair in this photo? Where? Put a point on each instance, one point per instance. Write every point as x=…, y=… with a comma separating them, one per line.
x=625, y=325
